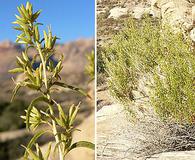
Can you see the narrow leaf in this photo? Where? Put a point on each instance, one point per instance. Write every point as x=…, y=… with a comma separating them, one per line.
x=15, y=91
x=16, y=70
x=48, y=151
x=64, y=85
x=82, y=144
x=34, y=139
x=35, y=101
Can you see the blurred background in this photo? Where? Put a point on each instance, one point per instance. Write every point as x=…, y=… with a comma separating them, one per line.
x=73, y=21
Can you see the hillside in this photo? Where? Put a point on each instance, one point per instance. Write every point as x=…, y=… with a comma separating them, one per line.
x=145, y=63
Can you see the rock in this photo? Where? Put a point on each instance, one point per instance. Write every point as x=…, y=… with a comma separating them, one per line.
x=175, y=13
x=181, y=155
x=138, y=12
x=117, y=12
x=112, y=129
x=192, y=34
x=119, y=136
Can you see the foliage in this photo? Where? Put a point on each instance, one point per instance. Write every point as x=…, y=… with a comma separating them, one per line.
x=174, y=91
x=90, y=68
x=133, y=52
x=43, y=79
x=148, y=47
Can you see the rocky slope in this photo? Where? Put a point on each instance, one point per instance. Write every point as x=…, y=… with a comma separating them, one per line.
x=121, y=134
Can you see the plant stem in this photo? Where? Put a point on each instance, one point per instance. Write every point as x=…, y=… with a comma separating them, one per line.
x=50, y=107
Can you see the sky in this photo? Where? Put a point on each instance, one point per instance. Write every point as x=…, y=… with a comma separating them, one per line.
x=70, y=19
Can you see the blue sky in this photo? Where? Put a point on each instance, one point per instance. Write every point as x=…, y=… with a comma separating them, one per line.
x=70, y=19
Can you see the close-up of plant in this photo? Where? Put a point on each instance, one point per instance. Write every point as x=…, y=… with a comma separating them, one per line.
x=50, y=119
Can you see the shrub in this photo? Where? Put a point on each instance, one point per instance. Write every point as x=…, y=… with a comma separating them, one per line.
x=148, y=47
x=134, y=52
x=174, y=92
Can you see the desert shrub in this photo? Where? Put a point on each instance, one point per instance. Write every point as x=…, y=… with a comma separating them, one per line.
x=100, y=61
x=174, y=91
x=134, y=51
x=148, y=47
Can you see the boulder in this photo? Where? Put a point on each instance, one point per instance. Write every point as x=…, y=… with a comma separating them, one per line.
x=117, y=12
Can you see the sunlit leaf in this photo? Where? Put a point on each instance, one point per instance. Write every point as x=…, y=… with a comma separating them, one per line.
x=84, y=144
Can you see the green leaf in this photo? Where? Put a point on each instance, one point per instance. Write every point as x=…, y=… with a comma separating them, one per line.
x=57, y=145
x=18, y=28
x=25, y=40
x=16, y=70
x=28, y=5
x=15, y=91
x=82, y=144
x=46, y=38
x=25, y=56
x=72, y=114
x=32, y=154
x=48, y=151
x=21, y=12
x=25, y=12
x=61, y=112
x=40, y=155
x=35, y=101
x=34, y=139
x=19, y=18
x=18, y=39
x=36, y=33
x=35, y=15
x=21, y=23
x=64, y=85
x=21, y=61
x=32, y=86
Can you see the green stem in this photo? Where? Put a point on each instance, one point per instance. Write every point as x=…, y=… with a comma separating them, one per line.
x=57, y=139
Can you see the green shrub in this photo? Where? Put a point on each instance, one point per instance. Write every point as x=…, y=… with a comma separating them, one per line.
x=134, y=51
x=100, y=61
x=148, y=47
x=174, y=91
